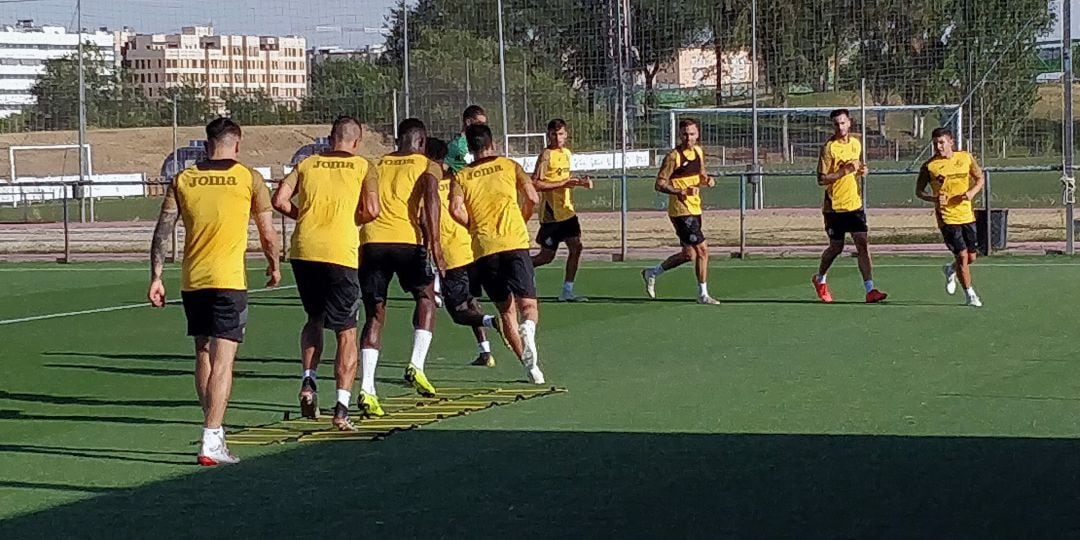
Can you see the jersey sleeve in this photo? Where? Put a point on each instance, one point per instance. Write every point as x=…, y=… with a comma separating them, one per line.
x=260, y=194
x=523, y=177
x=825, y=160
x=974, y=171
x=667, y=167
x=371, y=178
x=293, y=177
x=542, y=161
x=434, y=169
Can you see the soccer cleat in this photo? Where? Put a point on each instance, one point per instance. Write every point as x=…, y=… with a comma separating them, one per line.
x=950, y=278
x=309, y=399
x=341, y=418
x=822, y=290
x=216, y=454
x=535, y=375
x=650, y=282
x=571, y=297
x=369, y=406
x=708, y=300
x=485, y=359
x=974, y=301
x=875, y=296
x=438, y=300
x=419, y=381
x=497, y=325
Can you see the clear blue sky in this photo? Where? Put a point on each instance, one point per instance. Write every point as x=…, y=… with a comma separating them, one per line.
x=323, y=22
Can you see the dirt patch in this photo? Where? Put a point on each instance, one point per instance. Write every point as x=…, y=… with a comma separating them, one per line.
x=142, y=150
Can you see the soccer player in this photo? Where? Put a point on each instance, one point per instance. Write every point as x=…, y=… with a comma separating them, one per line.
x=461, y=286
x=839, y=168
x=458, y=155
x=682, y=173
x=955, y=179
x=484, y=198
x=335, y=191
x=558, y=221
x=216, y=199
x=399, y=242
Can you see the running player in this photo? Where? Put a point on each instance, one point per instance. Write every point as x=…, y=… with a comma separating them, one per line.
x=335, y=191
x=484, y=198
x=558, y=221
x=458, y=155
x=681, y=176
x=461, y=286
x=839, y=169
x=216, y=199
x=399, y=242
x=955, y=179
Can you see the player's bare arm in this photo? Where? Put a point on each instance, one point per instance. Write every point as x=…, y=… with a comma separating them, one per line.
x=846, y=168
x=282, y=200
x=264, y=222
x=528, y=192
x=457, y=205
x=368, y=209
x=922, y=184
x=663, y=180
x=162, y=232
x=977, y=181
x=430, y=216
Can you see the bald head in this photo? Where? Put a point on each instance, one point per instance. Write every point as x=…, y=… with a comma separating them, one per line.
x=345, y=134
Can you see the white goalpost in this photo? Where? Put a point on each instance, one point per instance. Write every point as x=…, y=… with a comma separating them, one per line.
x=12, y=153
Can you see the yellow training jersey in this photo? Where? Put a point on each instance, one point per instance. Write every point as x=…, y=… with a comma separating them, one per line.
x=216, y=199
x=490, y=189
x=455, y=240
x=952, y=177
x=844, y=194
x=400, y=200
x=684, y=169
x=556, y=204
x=328, y=190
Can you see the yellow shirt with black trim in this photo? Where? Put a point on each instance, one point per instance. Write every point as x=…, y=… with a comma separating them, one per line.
x=400, y=200
x=684, y=169
x=489, y=188
x=456, y=243
x=216, y=200
x=328, y=191
x=951, y=177
x=556, y=204
x=844, y=194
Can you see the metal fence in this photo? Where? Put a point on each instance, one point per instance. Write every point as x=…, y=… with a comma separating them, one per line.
x=618, y=71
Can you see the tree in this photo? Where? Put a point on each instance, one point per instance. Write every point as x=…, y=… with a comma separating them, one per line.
x=351, y=86
x=111, y=101
x=192, y=107
x=251, y=107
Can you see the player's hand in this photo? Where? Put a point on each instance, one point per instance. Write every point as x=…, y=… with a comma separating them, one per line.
x=156, y=293
x=585, y=182
x=969, y=195
x=863, y=169
x=273, y=277
x=708, y=181
x=440, y=263
x=942, y=199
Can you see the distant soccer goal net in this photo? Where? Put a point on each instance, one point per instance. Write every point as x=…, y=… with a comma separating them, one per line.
x=794, y=135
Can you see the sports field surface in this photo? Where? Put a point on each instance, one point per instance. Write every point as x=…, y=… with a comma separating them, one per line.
x=768, y=416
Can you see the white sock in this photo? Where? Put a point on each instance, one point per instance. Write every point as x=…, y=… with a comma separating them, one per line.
x=308, y=374
x=528, y=327
x=438, y=284
x=970, y=291
x=484, y=346
x=657, y=270
x=703, y=289
x=528, y=335
x=211, y=436
x=820, y=278
x=489, y=321
x=869, y=285
x=369, y=358
x=421, y=341
x=568, y=288
x=343, y=397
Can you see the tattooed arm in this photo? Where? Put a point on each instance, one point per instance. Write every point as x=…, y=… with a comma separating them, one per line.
x=162, y=233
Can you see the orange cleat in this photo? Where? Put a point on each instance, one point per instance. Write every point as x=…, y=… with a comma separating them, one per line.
x=875, y=296
x=822, y=290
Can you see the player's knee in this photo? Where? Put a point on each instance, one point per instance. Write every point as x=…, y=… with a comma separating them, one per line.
x=545, y=256
x=702, y=250
x=573, y=245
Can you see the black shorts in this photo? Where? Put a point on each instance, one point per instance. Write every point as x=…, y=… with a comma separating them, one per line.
x=460, y=286
x=329, y=291
x=552, y=234
x=840, y=224
x=506, y=273
x=960, y=238
x=381, y=262
x=219, y=313
x=688, y=229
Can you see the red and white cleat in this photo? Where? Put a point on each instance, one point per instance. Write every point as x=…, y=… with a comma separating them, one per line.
x=215, y=455
x=875, y=296
x=822, y=290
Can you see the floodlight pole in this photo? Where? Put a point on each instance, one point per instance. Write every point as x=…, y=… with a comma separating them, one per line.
x=82, y=117
x=1067, y=163
x=755, y=176
x=502, y=79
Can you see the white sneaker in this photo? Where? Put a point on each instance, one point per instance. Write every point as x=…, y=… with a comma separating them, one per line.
x=974, y=301
x=536, y=376
x=571, y=297
x=708, y=300
x=216, y=453
x=650, y=282
x=950, y=278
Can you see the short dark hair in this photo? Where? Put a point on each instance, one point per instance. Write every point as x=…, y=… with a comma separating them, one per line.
x=686, y=122
x=411, y=128
x=942, y=132
x=555, y=125
x=472, y=112
x=222, y=127
x=342, y=126
x=478, y=137
x=838, y=112
x=436, y=149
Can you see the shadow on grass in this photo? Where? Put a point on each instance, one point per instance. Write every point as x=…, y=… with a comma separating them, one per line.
x=113, y=454
x=503, y=484
x=637, y=300
x=178, y=358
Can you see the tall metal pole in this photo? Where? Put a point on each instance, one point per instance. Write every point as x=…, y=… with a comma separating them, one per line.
x=82, y=118
x=176, y=165
x=502, y=79
x=624, y=47
x=405, y=25
x=1067, y=79
x=756, y=178
x=525, y=102
x=862, y=123
x=468, y=84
